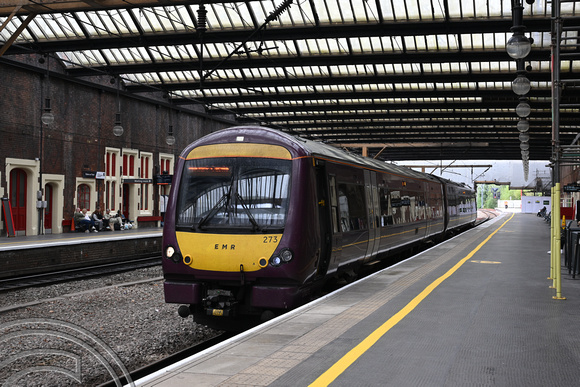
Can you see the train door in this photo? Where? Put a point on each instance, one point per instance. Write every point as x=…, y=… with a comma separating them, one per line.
x=374, y=211
x=324, y=218
x=48, y=209
x=18, y=186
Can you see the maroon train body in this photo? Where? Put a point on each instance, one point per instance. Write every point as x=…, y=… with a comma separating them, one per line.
x=258, y=221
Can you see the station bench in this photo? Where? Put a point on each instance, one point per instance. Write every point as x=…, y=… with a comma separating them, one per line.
x=148, y=221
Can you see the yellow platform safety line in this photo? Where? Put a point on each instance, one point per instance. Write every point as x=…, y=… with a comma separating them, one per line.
x=556, y=253
x=347, y=360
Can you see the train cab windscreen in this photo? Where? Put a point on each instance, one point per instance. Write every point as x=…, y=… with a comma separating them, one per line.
x=226, y=194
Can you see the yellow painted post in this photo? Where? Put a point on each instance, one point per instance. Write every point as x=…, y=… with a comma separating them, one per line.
x=551, y=276
x=558, y=260
x=555, y=224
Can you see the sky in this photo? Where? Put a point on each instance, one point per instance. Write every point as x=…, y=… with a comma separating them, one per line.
x=489, y=171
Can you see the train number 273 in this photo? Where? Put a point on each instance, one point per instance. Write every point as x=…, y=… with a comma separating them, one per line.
x=271, y=239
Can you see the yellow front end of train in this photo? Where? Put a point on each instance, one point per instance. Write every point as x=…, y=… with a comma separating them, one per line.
x=227, y=252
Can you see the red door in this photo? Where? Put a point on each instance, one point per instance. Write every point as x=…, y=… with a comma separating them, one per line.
x=48, y=209
x=18, y=198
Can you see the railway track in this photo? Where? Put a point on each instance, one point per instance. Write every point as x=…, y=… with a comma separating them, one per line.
x=172, y=359
x=484, y=215
x=74, y=274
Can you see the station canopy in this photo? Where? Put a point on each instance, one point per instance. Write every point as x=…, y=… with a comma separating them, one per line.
x=408, y=80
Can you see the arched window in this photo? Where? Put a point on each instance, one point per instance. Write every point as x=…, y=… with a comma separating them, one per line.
x=84, y=196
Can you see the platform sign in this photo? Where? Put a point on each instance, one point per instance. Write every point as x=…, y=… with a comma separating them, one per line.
x=163, y=179
x=8, y=220
x=137, y=181
x=572, y=188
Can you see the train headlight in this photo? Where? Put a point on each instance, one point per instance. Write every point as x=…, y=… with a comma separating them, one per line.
x=275, y=261
x=286, y=255
x=175, y=256
x=169, y=251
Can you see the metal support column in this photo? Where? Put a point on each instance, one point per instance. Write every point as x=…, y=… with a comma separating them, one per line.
x=556, y=92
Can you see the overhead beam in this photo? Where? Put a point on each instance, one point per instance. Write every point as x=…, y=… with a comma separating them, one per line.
x=172, y=64
x=16, y=33
x=408, y=144
x=338, y=80
x=56, y=6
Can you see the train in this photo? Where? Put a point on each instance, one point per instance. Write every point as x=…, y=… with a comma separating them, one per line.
x=258, y=221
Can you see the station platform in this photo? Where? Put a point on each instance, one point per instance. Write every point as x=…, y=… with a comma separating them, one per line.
x=75, y=238
x=41, y=254
x=476, y=310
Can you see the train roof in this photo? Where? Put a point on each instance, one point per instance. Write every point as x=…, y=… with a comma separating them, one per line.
x=328, y=151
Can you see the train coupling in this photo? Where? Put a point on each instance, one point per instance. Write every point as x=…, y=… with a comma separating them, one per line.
x=220, y=303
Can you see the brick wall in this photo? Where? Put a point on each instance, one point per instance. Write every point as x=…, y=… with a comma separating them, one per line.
x=84, y=118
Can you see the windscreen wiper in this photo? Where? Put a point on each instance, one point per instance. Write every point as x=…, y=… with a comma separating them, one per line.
x=224, y=200
x=248, y=212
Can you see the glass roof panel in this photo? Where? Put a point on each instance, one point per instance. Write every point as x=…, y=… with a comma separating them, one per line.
x=145, y=78
x=228, y=16
x=111, y=22
x=272, y=49
x=82, y=58
x=55, y=26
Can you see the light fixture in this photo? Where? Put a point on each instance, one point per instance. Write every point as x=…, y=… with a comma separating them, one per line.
x=524, y=146
x=47, y=117
x=523, y=109
x=521, y=85
x=524, y=137
x=523, y=125
x=518, y=46
x=170, y=139
x=118, y=128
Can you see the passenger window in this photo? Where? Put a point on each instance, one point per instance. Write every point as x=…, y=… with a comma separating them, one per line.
x=333, y=204
x=386, y=215
x=352, y=207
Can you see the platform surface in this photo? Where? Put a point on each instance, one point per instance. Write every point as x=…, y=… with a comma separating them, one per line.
x=476, y=310
x=73, y=238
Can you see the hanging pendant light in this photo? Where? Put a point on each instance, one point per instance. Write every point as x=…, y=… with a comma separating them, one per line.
x=118, y=128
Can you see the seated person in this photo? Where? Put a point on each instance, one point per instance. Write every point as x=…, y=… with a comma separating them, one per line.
x=98, y=219
x=83, y=220
x=112, y=220
x=127, y=224
x=78, y=217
